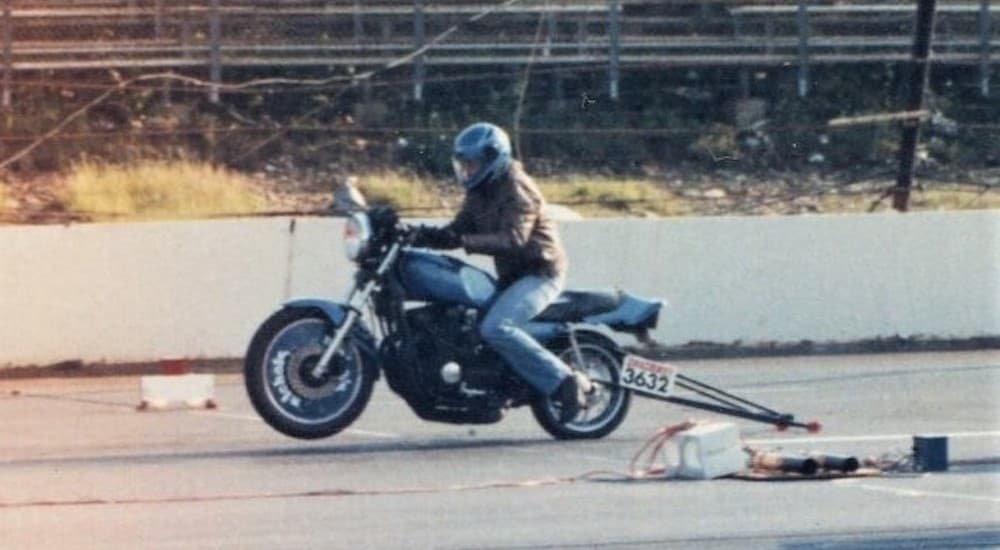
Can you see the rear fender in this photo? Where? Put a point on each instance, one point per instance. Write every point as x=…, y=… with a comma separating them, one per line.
x=337, y=313
x=635, y=315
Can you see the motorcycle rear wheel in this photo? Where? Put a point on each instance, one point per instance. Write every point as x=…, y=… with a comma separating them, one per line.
x=607, y=406
x=281, y=385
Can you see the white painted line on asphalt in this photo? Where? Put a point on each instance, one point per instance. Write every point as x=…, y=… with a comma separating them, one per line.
x=251, y=418
x=912, y=493
x=859, y=438
x=369, y=433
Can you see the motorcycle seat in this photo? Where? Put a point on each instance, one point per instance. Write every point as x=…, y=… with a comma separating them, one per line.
x=572, y=306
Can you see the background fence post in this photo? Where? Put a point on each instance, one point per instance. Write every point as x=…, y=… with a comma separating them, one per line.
x=359, y=25
x=215, y=46
x=158, y=20
x=185, y=31
x=8, y=55
x=550, y=33
x=769, y=33
x=984, y=47
x=614, y=30
x=419, y=70
x=802, y=21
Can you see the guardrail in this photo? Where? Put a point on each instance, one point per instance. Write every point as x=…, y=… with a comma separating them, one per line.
x=975, y=47
x=616, y=34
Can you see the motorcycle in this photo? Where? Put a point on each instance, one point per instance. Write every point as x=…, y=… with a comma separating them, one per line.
x=412, y=315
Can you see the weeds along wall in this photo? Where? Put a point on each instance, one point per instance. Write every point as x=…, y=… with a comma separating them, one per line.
x=148, y=291
x=663, y=118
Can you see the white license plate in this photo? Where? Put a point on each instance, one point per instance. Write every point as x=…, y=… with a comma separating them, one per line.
x=647, y=376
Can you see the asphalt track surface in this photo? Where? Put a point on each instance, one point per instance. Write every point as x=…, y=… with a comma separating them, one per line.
x=81, y=468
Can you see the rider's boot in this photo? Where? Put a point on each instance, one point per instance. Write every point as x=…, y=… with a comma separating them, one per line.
x=572, y=395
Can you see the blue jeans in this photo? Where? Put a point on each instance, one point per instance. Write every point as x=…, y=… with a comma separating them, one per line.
x=502, y=329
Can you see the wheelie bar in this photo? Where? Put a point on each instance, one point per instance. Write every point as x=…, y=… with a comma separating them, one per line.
x=723, y=402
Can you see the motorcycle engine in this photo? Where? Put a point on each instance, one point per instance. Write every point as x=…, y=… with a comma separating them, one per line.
x=451, y=356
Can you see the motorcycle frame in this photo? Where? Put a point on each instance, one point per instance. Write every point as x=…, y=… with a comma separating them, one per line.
x=359, y=298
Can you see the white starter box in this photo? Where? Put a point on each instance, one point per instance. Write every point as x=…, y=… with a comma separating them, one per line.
x=708, y=451
x=192, y=390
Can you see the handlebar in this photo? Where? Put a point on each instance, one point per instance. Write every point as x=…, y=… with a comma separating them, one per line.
x=406, y=233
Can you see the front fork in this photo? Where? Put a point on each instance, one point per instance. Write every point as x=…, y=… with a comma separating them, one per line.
x=356, y=299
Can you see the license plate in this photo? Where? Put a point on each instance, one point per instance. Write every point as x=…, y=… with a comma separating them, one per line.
x=647, y=376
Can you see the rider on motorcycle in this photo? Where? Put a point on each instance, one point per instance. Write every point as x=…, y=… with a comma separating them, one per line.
x=502, y=216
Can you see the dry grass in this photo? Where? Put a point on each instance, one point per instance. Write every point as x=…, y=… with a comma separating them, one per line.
x=944, y=198
x=411, y=195
x=154, y=190
x=590, y=196
x=182, y=189
x=604, y=197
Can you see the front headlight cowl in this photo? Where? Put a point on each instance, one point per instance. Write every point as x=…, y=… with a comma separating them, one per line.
x=357, y=236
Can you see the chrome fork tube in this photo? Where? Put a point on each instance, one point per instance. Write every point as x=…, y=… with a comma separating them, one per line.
x=576, y=348
x=355, y=301
x=322, y=367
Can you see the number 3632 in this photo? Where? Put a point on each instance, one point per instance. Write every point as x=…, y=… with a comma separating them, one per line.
x=648, y=376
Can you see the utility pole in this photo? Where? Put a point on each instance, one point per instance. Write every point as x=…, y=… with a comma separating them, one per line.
x=919, y=69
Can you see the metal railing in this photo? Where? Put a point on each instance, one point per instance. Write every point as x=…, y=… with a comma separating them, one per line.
x=208, y=37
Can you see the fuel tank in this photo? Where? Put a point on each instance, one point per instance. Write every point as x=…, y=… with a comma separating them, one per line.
x=432, y=277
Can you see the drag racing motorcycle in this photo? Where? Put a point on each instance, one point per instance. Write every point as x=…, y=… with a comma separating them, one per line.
x=412, y=316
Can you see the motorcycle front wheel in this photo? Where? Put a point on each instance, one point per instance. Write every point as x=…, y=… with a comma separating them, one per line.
x=281, y=383
x=607, y=405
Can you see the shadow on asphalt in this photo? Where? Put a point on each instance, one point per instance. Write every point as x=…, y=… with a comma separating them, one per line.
x=985, y=538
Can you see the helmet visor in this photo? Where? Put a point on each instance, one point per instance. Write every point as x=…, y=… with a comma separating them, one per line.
x=465, y=169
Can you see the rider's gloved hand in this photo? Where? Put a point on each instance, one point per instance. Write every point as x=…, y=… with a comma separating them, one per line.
x=437, y=237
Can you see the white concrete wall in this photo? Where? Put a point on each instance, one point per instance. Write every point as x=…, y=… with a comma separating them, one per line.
x=134, y=292
x=137, y=291
x=822, y=278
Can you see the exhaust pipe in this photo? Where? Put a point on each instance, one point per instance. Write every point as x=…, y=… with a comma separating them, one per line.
x=784, y=463
x=839, y=463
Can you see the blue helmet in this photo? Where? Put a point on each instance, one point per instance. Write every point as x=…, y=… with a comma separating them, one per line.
x=482, y=151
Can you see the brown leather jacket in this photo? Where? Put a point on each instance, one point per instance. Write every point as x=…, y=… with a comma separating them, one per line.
x=503, y=218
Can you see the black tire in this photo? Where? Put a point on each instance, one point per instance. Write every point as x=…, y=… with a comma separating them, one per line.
x=280, y=384
x=602, y=361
